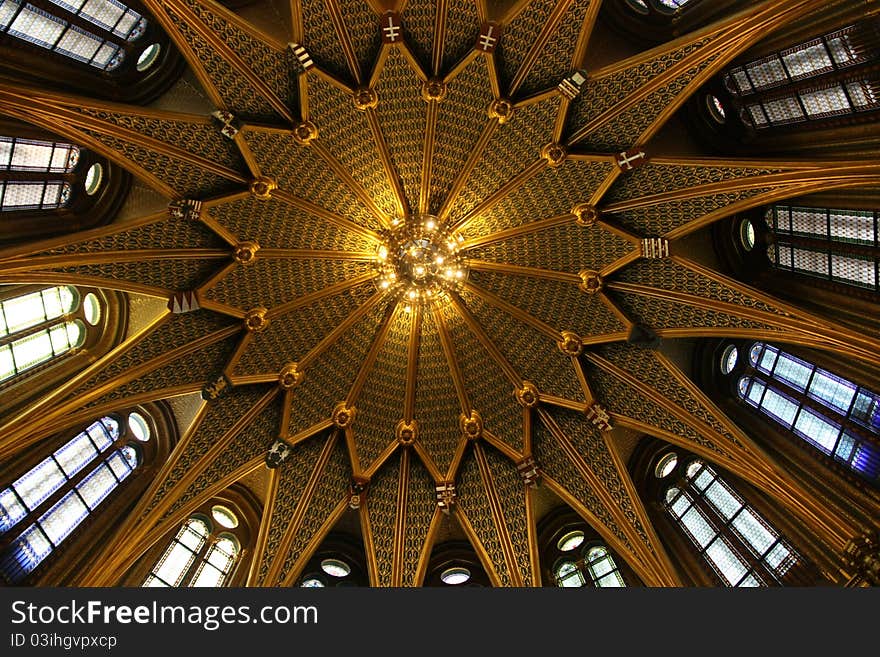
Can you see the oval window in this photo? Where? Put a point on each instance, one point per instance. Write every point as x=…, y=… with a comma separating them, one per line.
x=94, y=176
x=92, y=309
x=139, y=427
x=224, y=516
x=747, y=234
x=335, y=567
x=455, y=575
x=666, y=465
x=716, y=109
x=729, y=359
x=570, y=541
x=148, y=57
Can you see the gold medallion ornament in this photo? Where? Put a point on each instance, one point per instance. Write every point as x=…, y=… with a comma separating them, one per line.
x=245, y=252
x=262, y=188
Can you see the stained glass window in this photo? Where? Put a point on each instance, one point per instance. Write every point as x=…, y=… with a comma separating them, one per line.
x=830, y=52
x=835, y=244
x=593, y=564
x=727, y=532
x=113, y=23
x=38, y=327
x=829, y=412
x=196, y=557
x=91, y=452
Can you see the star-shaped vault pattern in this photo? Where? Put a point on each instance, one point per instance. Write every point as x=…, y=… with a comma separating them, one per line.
x=539, y=167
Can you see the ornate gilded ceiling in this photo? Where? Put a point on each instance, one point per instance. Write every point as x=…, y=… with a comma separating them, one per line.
x=538, y=173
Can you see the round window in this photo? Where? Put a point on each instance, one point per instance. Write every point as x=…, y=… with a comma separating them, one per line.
x=747, y=234
x=312, y=583
x=666, y=465
x=224, y=516
x=335, y=567
x=728, y=359
x=94, y=176
x=570, y=541
x=455, y=575
x=148, y=57
x=91, y=309
x=716, y=109
x=139, y=427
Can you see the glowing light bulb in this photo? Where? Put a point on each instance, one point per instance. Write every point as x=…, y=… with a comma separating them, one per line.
x=459, y=273
x=420, y=271
x=439, y=259
x=450, y=272
x=412, y=294
x=385, y=284
x=383, y=253
x=430, y=224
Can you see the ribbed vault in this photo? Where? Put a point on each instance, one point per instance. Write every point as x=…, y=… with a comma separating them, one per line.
x=545, y=181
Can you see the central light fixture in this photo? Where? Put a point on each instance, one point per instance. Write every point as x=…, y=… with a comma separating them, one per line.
x=419, y=260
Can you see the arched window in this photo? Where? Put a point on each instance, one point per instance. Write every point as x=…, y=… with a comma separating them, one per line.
x=95, y=32
x=30, y=173
x=834, y=244
x=832, y=414
x=55, y=496
x=742, y=548
x=590, y=566
x=44, y=325
x=818, y=79
x=203, y=553
x=338, y=561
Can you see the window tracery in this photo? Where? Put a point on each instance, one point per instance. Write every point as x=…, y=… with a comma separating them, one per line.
x=741, y=547
x=834, y=415
x=42, y=326
x=57, y=494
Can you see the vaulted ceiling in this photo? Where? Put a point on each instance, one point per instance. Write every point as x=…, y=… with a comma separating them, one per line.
x=462, y=128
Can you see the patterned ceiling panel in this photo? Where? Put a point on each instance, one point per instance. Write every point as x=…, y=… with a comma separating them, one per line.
x=294, y=475
x=246, y=445
x=567, y=247
x=290, y=337
x=492, y=498
x=301, y=171
x=340, y=124
x=164, y=233
x=270, y=282
x=419, y=509
x=329, y=380
x=275, y=223
x=656, y=178
x=491, y=394
x=513, y=147
x=462, y=117
x=402, y=115
x=555, y=464
x=331, y=489
x=174, y=331
x=671, y=275
x=561, y=305
x=437, y=406
x=381, y=403
x=603, y=93
x=552, y=192
x=534, y=355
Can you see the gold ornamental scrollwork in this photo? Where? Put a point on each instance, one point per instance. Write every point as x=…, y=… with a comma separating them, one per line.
x=261, y=188
x=571, y=344
x=501, y=109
